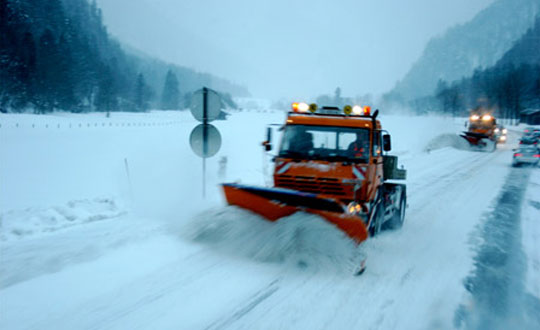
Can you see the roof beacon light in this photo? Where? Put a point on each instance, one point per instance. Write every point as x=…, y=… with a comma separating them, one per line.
x=303, y=107
x=486, y=117
x=357, y=110
x=475, y=117
x=367, y=110
x=313, y=107
x=300, y=107
x=347, y=109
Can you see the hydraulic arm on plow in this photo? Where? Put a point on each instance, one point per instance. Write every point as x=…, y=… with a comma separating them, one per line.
x=331, y=163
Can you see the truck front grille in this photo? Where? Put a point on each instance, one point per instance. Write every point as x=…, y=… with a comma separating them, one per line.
x=327, y=186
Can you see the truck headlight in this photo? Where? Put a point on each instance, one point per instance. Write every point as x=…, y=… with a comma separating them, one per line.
x=354, y=208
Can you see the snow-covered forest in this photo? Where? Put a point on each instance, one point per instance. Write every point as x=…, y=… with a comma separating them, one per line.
x=58, y=55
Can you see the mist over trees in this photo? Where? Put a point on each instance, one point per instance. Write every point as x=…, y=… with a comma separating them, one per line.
x=65, y=60
x=338, y=100
x=456, y=53
x=170, y=97
x=508, y=87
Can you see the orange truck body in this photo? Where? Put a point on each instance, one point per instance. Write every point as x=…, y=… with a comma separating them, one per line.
x=328, y=188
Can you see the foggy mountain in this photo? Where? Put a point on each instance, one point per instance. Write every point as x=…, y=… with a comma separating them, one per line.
x=190, y=80
x=509, y=86
x=478, y=43
x=58, y=55
x=526, y=50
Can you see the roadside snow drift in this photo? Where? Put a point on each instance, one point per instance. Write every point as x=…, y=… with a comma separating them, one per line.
x=18, y=224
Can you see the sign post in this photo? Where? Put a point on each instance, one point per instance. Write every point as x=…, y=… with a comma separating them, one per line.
x=205, y=139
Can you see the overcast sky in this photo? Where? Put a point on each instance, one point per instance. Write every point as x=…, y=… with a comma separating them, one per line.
x=289, y=48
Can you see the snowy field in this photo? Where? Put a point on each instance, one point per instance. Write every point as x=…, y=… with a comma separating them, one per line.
x=103, y=226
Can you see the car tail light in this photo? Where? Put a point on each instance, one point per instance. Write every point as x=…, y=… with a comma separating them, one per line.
x=537, y=156
x=518, y=155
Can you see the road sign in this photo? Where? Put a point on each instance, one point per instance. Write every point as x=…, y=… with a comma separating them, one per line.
x=213, y=140
x=213, y=105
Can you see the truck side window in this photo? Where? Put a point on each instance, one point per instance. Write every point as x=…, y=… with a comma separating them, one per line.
x=376, y=143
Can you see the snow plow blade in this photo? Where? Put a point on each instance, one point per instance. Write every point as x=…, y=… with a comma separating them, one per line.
x=479, y=141
x=475, y=139
x=276, y=203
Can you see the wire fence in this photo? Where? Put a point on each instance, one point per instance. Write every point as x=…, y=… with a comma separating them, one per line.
x=89, y=124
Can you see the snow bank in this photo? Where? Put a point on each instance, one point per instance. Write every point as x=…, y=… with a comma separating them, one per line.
x=251, y=103
x=447, y=140
x=415, y=134
x=18, y=224
x=531, y=234
x=301, y=240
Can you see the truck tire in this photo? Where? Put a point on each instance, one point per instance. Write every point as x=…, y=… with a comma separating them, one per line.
x=376, y=223
x=398, y=217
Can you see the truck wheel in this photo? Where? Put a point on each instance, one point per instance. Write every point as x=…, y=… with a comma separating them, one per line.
x=398, y=217
x=376, y=223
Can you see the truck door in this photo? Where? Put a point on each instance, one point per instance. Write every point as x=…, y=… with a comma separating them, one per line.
x=376, y=163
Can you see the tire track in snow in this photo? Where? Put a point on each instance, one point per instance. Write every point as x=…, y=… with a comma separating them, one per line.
x=498, y=297
x=256, y=299
x=455, y=170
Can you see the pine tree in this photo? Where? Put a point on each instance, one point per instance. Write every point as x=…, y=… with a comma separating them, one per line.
x=337, y=97
x=105, y=99
x=171, y=95
x=48, y=68
x=141, y=94
x=25, y=73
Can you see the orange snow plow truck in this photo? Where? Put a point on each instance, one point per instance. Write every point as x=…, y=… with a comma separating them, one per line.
x=482, y=132
x=331, y=163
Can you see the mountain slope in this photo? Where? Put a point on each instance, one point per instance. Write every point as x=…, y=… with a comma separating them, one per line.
x=508, y=87
x=58, y=55
x=526, y=50
x=478, y=43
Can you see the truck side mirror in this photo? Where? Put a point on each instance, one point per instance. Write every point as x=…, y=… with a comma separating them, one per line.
x=268, y=143
x=387, y=144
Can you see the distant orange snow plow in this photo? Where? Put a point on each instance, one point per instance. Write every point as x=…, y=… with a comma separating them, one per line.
x=330, y=163
x=482, y=132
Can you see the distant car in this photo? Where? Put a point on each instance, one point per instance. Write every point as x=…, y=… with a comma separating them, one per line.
x=528, y=140
x=500, y=134
x=526, y=154
x=528, y=130
x=531, y=131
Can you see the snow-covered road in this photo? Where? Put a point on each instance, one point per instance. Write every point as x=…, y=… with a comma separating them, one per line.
x=178, y=262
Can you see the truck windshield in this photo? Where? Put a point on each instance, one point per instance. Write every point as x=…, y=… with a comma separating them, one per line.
x=482, y=125
x=326, y=143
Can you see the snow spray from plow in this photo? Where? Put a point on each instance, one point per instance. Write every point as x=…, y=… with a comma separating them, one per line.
x=301, y=240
